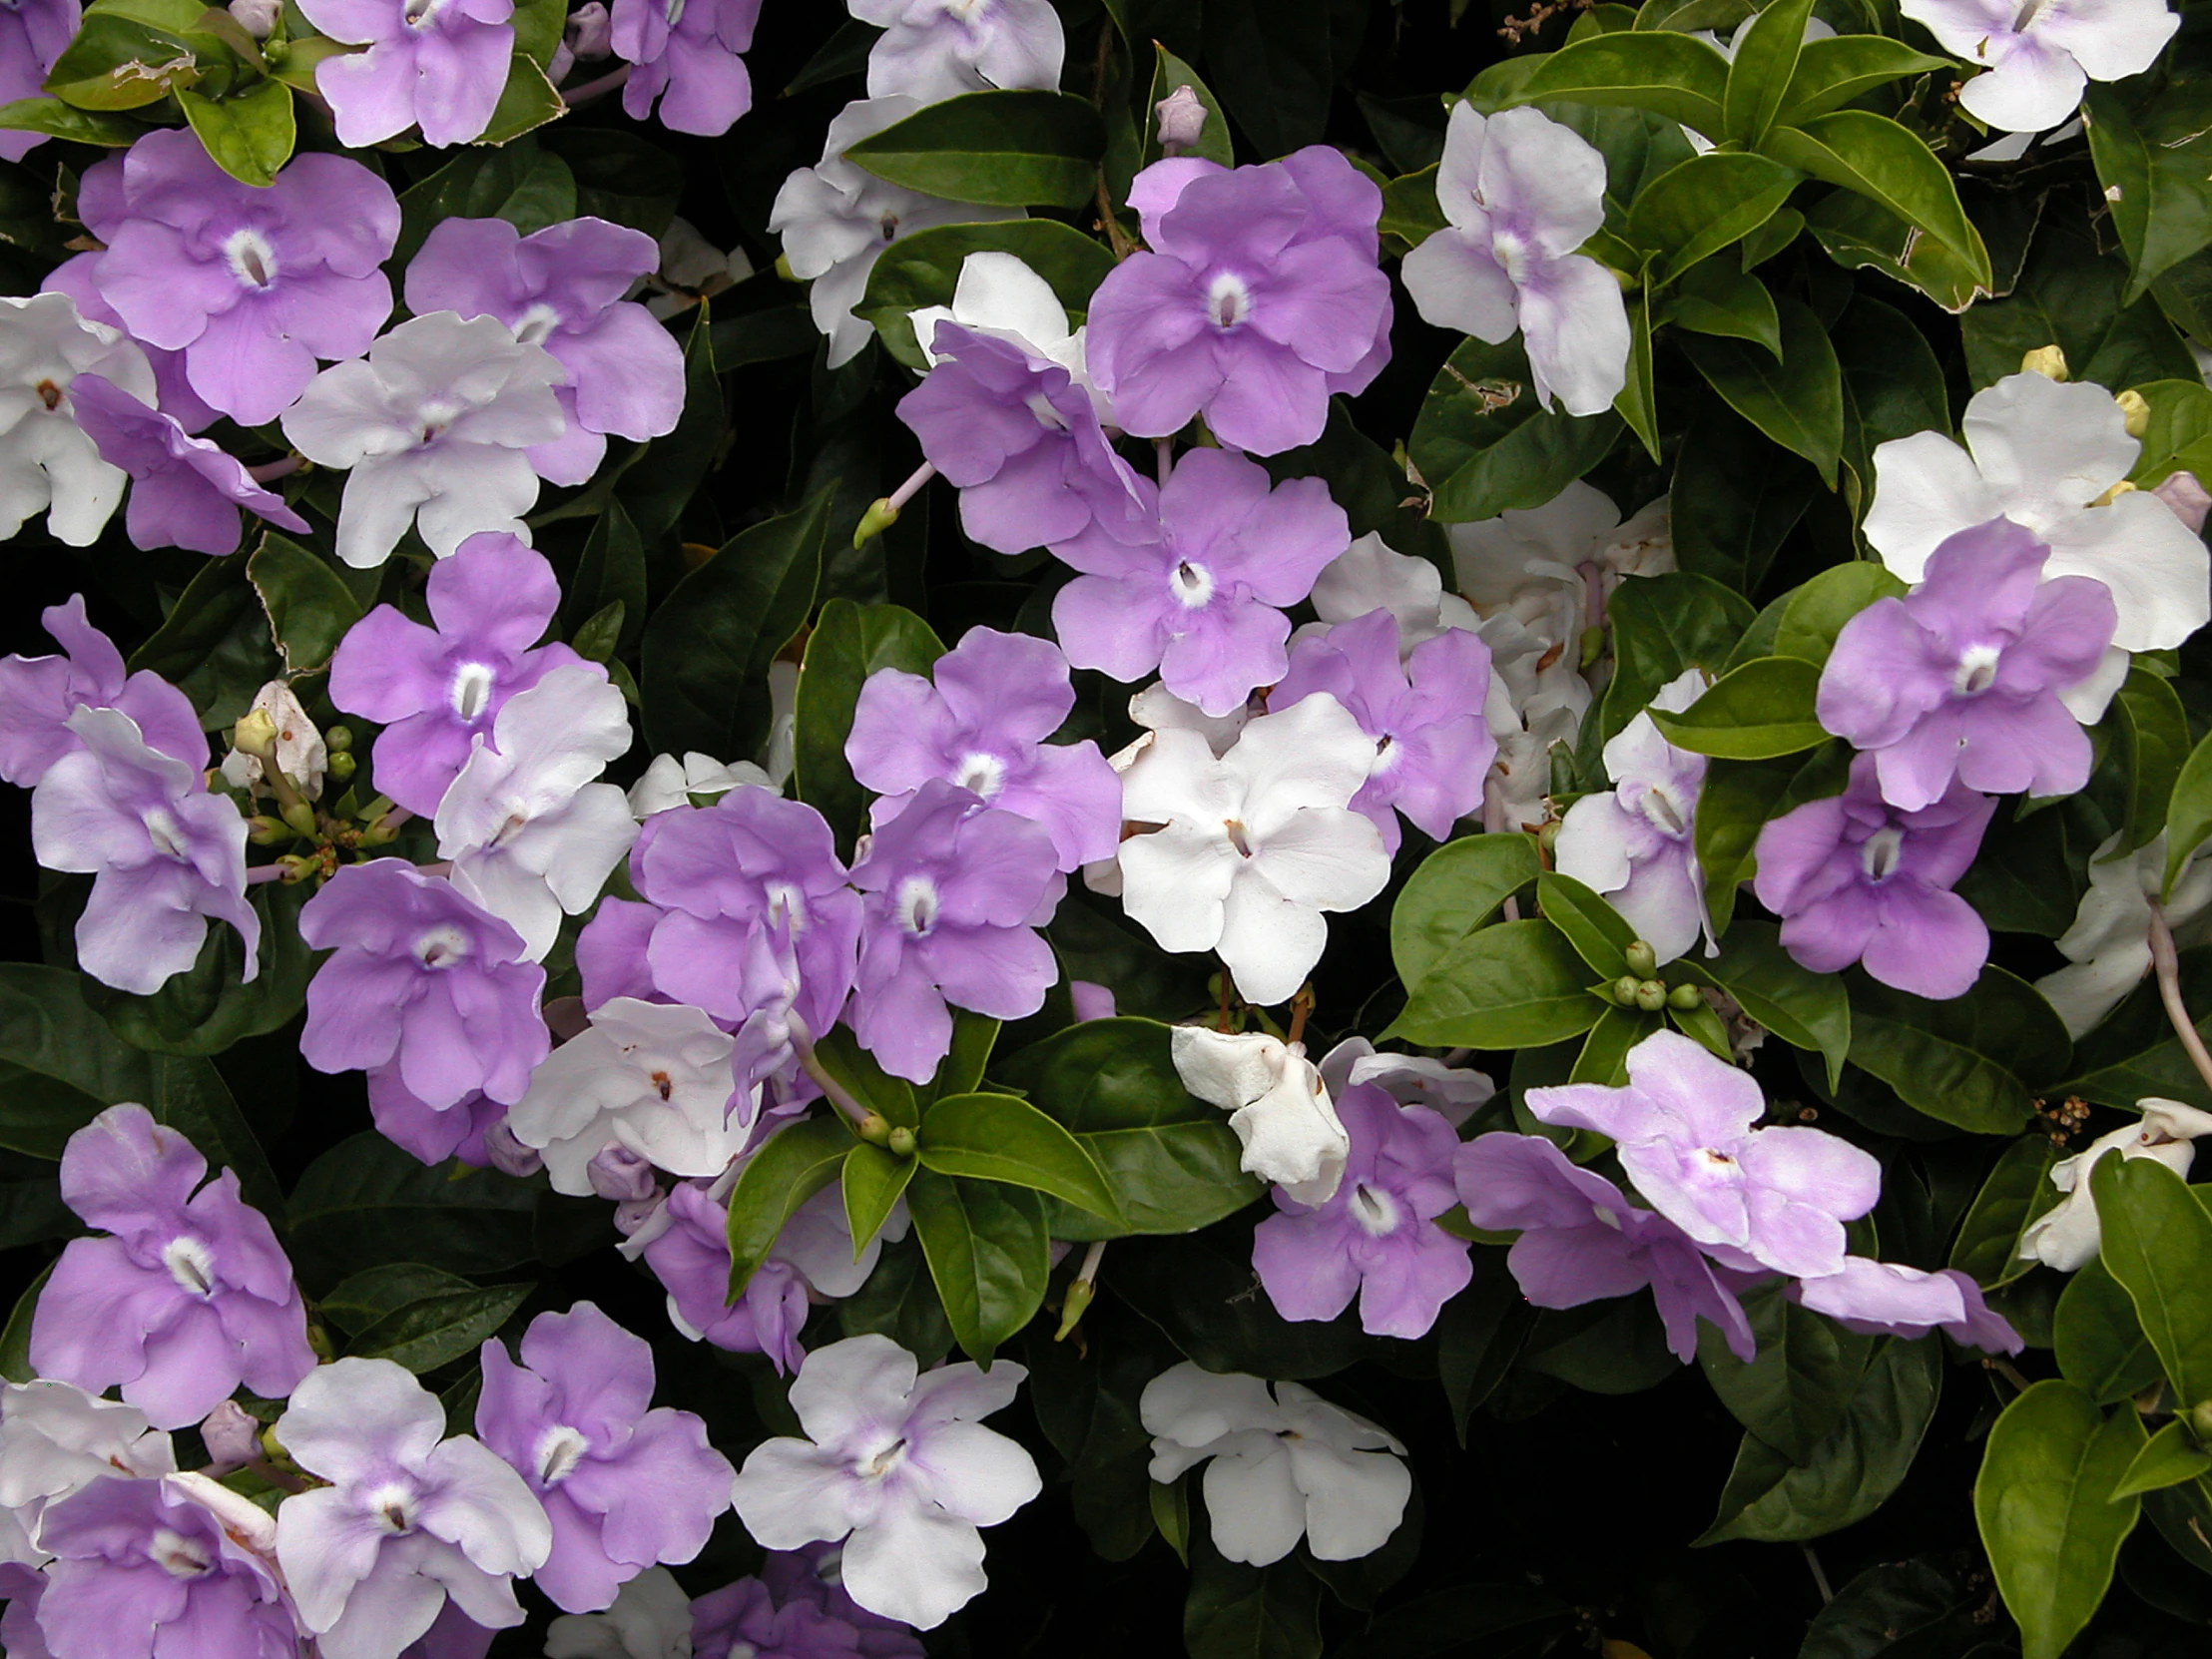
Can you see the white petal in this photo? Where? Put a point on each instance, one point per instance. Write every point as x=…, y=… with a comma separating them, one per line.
x=1925, y=490
x=1256, y=1510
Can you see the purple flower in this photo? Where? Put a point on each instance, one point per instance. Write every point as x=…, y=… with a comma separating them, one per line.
x=177, y=1569
x=186, y=492
x=166, y=855
x=437, y=64
x=436, y=689
x=686, y=52
x=1263, y=298
x=1201, y=602
x=33, y=33
x=746, y=1619
x=1432, y=748
x=1682, y=1127
x=1378, y=1237
x=420, y=976
x=955, y=892
x=982, y=725
x=74, y=277
x=1966, y=676
x=452, y=1635
x=1022, y=442
x=562, y=288
x=814, y=1574
x=188, y=1297
x=1888, y=1298
x=691, y=1259
x=625, y=1487
x=433, y=1133
x=1855, y=879
x=251, y=285
x=1582, y=1241
x=39, y=694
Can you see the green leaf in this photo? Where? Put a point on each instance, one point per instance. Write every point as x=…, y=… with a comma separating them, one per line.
x=975, y=1039
x=1759, y=712
x=207, y=1008
x=1851, y=1470
x=1859, y=233
x=2157, y=1241
x=1368, y=483
x=1974, y=1061
x=58, y=120
x=876, y=1089
x=1669, y=74
x=1805, y=1010
x=1886, y=163
x=522, y=183
x=1170, y=1160
x=850, y=643
x=899, y=1301
x=2147, y=718
x=369, y=1294
x=1199, y=1292
x=1734, y=805
x=1760, y=74
x=2188, y=812
x=1700, y=207
x=1239, y=1612
x=1662, y=627
x=250, y=134
x=1897, y=1610
x=999, y=1137
x=1515, y=984
x=1735, y=497
x=1637, y=402
x=1479, y=1336
x=215, y=645
x=439, y=1329
x=310, y=606
x=1892, y=388
x=619, y=176
x=597, y=640
x=2042, y=1503
x=2097, y=1340
x=874, y=1181
x=609, y=572
x=120, y=62
x=1817, y=610
x=995, y=149
x=537, y=25
x=15, y=1339
x=1799, y=1384
x=2133, y=1052
x=2069, y=293
x=1273, y=67
x=925, y=268
x=528, y=101
x=1598, y=933
x=1603, y=1059
x=659, y=483
x=365, y=1202
x=1831, y=73
x=1797, y=402
x=1720, y=298
x=2168, y=1457
x=987, y=1253
x=1485, y=445
x=2157, y=176
x=710, y=644
x=791, y=1165
x=1169, y=72
x=2016, y=1191
x=1410, y=212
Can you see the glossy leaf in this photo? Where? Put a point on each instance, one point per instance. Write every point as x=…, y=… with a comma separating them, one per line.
x=1735, y=497
x=2148, y=717
x=1798, y=1388
x=365, y=1202
x=1881, y=160
x=2157, y=176
x=872, y=1183
x=2157, y=1241
x=1759, y=712
x=1598, y=933
x=1169, y=72
x=2016, y=1191
x=2097, y=1340
x=310, y=606
x=1457, y=888
x=1485, y=445
x=1974, y=1061
x=1831, y=73
x=1663, y=626
x=1720, y=298
x=2188, y=812
x=1700, y=207
x=998, y=149
x=1515, y=984
x=1797, y=402
x=1674, y=74
x=791, y=1165
x=439, y=1329
x=987, y=1253
x=1761, y=72
x=1818, y=609
x=850, y=643
x=1000, y=1137
x=1808, y=1010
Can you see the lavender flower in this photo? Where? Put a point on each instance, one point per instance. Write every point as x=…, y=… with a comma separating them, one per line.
x=410, y=1517
x=1520, y=193
x=814, y=1576
x=1855, y=879
x=937, y=49
x=251, y=285
x=188, y=1296
x=1684, y=1129
x=73, y=277
x=1582, y=1241
x=955, y=893
x=1965, y=677
x=1378, y=1237
x=1424, y=713
x=434, y=689
x=899, y=1465
x=38, y=695
x=166, y=857
x=624, y=1487
x=1888, y=1298
x=689, y=1256
x=33, y=35
x=2038, y=59
x=46, y=462
x=562, y=288
x=982, y=725
x=436, y=63
x=687, y=57
x=420, y=977
x=186, y=492
x=1201, y=602
x=1261, y=299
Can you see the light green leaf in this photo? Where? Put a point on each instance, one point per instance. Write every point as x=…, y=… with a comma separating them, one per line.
x=1515, y=984
x=1603, y=1059
x=1637, y=402
x=2159, y=1244
x=1831, y=73
x=2168, y=1457
x=1700, y=207
x=995, y=149
x=1817, y=610
x=1760, y=74
x=1669, y=74
x=1758, y=712
x=2097, y=1340
x=250, y=134
x=528, y=101
x=999, y=1137
x=120, y=62
x=1457, y=888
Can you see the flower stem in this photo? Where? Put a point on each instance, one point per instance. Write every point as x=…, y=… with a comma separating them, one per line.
x=1163, y=450
x=261, y=875
x=897, y=499
x=1302, y=1008
x=2169, y=993
x=609, y=82
x=271, y=471
x=802, y=1045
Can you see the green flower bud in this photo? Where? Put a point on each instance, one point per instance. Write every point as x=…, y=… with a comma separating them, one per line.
x=1651, y=996
x=300, y=817
x=879, y=518
x=1078, y=1304
x=338, y=739
x=343, y=766
x=902, y=1142
x=876, y=1129
x=1643, y=962
x=1685, y=997
x=1624, y=990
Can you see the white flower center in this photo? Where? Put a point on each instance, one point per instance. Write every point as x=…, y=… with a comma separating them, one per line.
x=1666, y=815
x=1239, y=838
x=1192, y=585
x=470, y=691
x=434, y=417
x=420, y=14
x=441, y=946
x=1607, y=1217
x=190, y=1264
x=1228, y=301
x=253, y=262
x=165, y=833
x=1510, y=250
x=917, y=904
x=532, y=328
x=675, y=12
x=1374, y=1210
x=1877, y=855
x=559, y=1449
x=393, y=1507
x=884, y=1462
x=177, y=1555
x=1976, y=671
x=1715, y=1164
x=981, y=774
x=787, y=908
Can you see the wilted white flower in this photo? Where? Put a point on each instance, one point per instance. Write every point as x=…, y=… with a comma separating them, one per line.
x=1278, y=1105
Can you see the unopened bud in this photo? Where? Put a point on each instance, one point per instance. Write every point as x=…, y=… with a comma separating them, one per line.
x=1182, y=121
x=300, y=817
x=296, y=868
x=2047, y=360
x=634, y=1214
x=879, y=518
x=1682, y=998
x=1651, y=996
x=876, y=1129
x=901, y=1142
x=783, y=269
x=1592, y=647
x=338, y=739
x=380, y=833
x=2181, y=492
x=1547, y=839
x=618, y=1173
x=1643, y=962
x=257, y=18
x=1624, y=990
x=1072, y=1310
x=233, y=1438
x=2135, y=409
x=342, y=767
x=2199, y=1419
x=590, y=31
x=254, y=734
x=266, y=831
x=508, y=1154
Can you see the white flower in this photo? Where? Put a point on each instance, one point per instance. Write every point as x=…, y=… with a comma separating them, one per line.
x=835, y=219
x=530, y=834
x=669, y=783
x=651, y=1619
x=1252, y=847
x=435, y=419
x=2039, y=56
x=999, y=296
x=2045, y=455
x=2066, y=1236
x=409, y=1518
x=55, y=1441
x=937, y=49
x=1283, y=1468
x=1278, y=1104
x=900, y=1465
x=1369, y=576
x=1635, y=844
x=46, y=462
x=1453, y=1093
x=300, y=754
x=649, y=1076
x=693, y=268
x=2108, y=944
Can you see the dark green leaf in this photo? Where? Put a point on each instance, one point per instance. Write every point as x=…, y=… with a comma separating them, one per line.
x=1720, y=298
x=791, y=1165
x=209, y=1006
x=1604, y=1056
x=619, y=176
x=2148, y=717
x=1700, y=207
x=1799, y=1384
x=1662, y=627
x=310, y=608
x=439, y=1329
x=1479, y=1336
x=1817, y=611
x=1669, y=74
x=15, y=1339
x=520, y=182
x=1734, y=805
x=850, y=643
x=1879, y=159
x=999, y=1137
x=1598, y=933
x=659, y=483
x=610, y=572
x=2069, y=295
x=2157, y=1241
x=1169, y=72
x=1898, y=1608
x=1515, y=984
x=368, y=1296
x=2132, y=1052
x=1273, y=68
x=925, y=268
x=1637, y=402
x=2189, y=812
x=1201, y=1291
x=987, y=1252
x=1976, y=1061
x=1805, y=1010
x=2016, y=1191
x=1485, y=445
x=874, y=1181
x=215, y=645
x=1735, y=497
x=1797, y=402
x=876, y=1089
x=1241, y=1612
x=996, y=148
x=2156, y=175
x=365, y=1202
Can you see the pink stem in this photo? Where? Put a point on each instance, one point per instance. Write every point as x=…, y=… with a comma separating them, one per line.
x=261, y=875
x=610, y=82
x=2169, y=993
x=910, y=488
x=272, y=470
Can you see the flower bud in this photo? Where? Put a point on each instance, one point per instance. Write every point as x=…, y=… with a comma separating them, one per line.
x=2199, y=1419
x=300, y=817
x=2135, y=409
x=876, y=1129
x=343, y=768
x=1624, y=990
x=338, y=739
x=255, y=734
x=901, y=1142
x=266, y=831
x=2047, y=360
x=590, y=31
x=2187, y=497
x=257, y=18
x=1682, y=998
x=1651, y=996
x=508, y=1154
x=879, y=518
x=1643, y=962
x=1074, y=1308
x=1182, y=121
x=296, y=869
x=620, y=1174
x=233, y=1438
